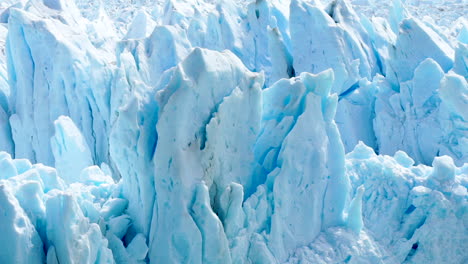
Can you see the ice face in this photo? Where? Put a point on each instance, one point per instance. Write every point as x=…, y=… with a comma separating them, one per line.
x=230, y=132
x=201, y=149
x=424, y=98
x=68, y=144
x=20, y=239
x=411, y=201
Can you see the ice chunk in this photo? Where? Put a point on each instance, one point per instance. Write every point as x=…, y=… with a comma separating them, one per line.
x=266, y=21
x=95, y=176
x=118, y=249
x=133, y=139
x=30, y=196
x=138, y=249
x=356, y=113
x=20, y=241
x=230, y=211
x=258, y=251
x=303, y=183
x=354, y=219
x=461, y=59
x=5, y=131
x=454, y=92
x=70, y=150
x=113, y=207
x=429, y=108
x=22, y=165
x=281, y=59
x=7, y=167
x=166, y=47
x=413, y=200
x=444, y=169
x=308, y=172
x=49, y=178
x=344, y=45
x=215, y=247
x=141, y=27
x=54, y=4
x=415, y=43
x=361, y=152
x=63, y=84
x=119, y=225
x=398, y=12
x=227, y=158
x=194, y=95
x=403, y=159
x=75, y=239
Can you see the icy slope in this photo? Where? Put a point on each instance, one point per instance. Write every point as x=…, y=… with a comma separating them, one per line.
x=216, y=132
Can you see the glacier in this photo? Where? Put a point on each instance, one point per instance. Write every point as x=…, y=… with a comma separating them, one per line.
x=229, y=131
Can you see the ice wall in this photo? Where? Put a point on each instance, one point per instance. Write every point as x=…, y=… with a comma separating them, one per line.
x=403, y=204
x=216, y=132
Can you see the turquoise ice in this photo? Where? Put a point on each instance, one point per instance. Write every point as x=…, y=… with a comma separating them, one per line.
x=186, y=131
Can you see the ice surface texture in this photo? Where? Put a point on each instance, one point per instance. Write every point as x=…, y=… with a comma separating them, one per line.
x=217, y=132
